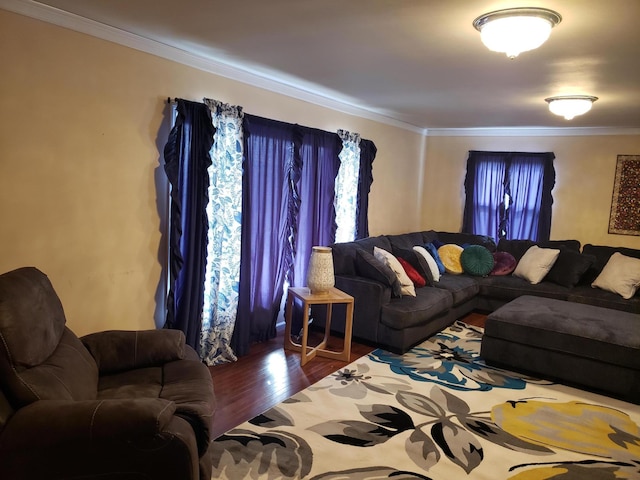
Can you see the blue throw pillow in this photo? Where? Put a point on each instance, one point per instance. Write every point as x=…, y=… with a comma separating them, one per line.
x=433, y=251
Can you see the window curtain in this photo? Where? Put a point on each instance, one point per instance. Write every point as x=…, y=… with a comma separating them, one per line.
x=187, y=159
x=346, y=188
x=518, y=200
x=224, y=214
x=269, y=206
x=485, y=189
x=368, y=152
x=316, y=219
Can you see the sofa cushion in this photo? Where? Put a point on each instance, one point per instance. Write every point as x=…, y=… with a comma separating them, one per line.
x=602, y=254
x=603, y=298
x=406, y=285
x=430, y=261
x=620, y=275
x=517, y=248
x=463, y=239
x=405, y=240
x=433, y=251
x=450, y=257
x=477, y=260
x=509, y=287
x=569, y=267
x=504, y=263
x=417, y=279
x=536, y=263
x=368, y=266
x=417, y=261
x=461, y=287
x=344, y=254
x=408, y=312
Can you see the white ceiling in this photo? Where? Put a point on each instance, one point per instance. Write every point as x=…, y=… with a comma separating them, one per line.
x=418, y=62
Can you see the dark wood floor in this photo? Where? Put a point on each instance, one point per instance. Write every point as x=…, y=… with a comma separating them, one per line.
x=269, y=375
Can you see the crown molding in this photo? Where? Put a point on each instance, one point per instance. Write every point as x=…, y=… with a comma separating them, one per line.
x=309, y=93
x=529, y=132
x=291, y=88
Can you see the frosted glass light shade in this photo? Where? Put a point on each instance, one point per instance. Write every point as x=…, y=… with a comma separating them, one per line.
x=570, y=106
x=516, y=30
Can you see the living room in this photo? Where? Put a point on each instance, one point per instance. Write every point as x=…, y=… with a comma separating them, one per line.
x=83, y=192
x=85, y=199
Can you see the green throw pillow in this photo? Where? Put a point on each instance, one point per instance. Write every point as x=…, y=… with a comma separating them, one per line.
x=476, y=260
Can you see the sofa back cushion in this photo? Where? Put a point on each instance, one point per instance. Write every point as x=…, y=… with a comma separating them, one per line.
x=602, y=254
x=40, y=358
x=344, y=254
x=464, y=239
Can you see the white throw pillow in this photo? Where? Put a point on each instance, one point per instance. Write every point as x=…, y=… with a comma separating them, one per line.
x=433, y=266
x=407, y=285
x=620, y=275
x=536, y=263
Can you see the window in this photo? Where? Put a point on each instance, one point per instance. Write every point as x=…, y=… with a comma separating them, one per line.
x=508, y=195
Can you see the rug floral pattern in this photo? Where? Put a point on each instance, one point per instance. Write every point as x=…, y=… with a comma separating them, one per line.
x=437, y=412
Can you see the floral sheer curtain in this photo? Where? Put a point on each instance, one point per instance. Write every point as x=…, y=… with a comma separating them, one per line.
x=346, y=189
x=224, y=214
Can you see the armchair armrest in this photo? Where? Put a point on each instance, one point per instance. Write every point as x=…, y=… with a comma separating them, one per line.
x=49, y=423
x=118, y=350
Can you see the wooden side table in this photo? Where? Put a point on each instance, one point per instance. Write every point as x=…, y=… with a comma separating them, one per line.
x=308, y=299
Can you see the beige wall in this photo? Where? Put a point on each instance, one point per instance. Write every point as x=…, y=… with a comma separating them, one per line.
x=585, y=168
x=82, y=192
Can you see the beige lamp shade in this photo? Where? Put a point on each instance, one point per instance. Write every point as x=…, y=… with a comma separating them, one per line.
x=320, y=277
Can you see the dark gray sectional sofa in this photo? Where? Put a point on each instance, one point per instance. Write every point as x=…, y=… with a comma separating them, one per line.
x=398, y=323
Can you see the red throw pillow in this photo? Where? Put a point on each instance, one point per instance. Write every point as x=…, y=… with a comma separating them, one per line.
x=417, y=279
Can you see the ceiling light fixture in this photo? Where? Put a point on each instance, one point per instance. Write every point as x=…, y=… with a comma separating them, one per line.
x=516, y=30
x=569, y=106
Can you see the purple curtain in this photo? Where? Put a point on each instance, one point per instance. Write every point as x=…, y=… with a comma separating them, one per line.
x=269, y=207
x=368, y=152
x=531, y=180
x=186, y=156
x=484, y=207
x=316, y=219
x=526, y=178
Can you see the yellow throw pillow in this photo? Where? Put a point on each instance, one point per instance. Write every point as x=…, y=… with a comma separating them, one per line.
x=450, y=256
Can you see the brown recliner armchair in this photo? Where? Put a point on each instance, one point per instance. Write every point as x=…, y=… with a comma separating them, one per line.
x=111, y=405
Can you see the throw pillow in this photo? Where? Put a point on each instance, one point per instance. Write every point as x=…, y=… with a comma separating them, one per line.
x=417, y=261
x=620, y=275
x=504, y=263
x=569, y=267
x=477, y=260
x=433, y=251
x=536, y=263
x=407, y=287
x=417, y=279
x=450, y=257
x=433, y=266
x=370, y=267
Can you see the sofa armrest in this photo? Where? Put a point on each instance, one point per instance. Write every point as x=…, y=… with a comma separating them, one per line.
x=369, y=297
x=49, y=423
x=118, y=350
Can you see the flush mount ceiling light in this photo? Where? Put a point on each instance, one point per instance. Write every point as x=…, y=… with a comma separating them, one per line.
x=569, y=106
x=516, y=30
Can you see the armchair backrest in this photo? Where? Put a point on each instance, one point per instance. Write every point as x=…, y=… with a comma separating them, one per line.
x=40, y=358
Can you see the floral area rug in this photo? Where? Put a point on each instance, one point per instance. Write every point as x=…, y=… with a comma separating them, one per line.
x=437, y=412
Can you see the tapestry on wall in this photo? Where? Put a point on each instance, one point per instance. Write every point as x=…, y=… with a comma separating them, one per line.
x=625, y=204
